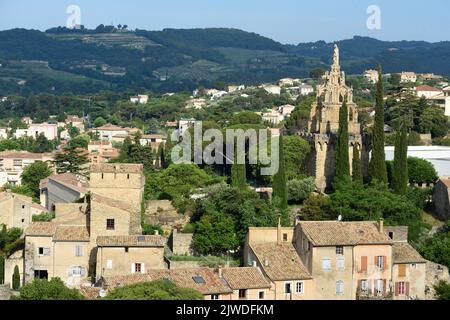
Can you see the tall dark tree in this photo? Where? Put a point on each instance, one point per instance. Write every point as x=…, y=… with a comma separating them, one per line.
x=377, y=165
x=400, y=171
x=3, y=237
x=238, y=173
x=280, y=190
x=71, y=160
x=342, y=153
x=2, y=269
x=357, y=176
x=16, y=278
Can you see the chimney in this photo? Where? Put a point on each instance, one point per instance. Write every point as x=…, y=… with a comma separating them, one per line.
x=266, y=263
x=381, y=225
x=219, y=271
x=254, y=264
x=156, y=233
x=279, y=231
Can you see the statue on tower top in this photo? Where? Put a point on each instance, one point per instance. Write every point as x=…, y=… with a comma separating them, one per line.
x=336, y=55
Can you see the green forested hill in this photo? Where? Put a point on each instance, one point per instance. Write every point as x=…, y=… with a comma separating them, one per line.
x=61, y=60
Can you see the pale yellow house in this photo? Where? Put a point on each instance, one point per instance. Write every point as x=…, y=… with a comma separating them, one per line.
x=247, y=283
x=16, y=210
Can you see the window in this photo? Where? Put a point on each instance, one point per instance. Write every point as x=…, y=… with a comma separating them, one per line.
x=340, y=264
x=414, y=266
x=402, y=288
x=380, y=262
x=391, y=235
x=126, y=249
x=364, y=286
x=326, y=264
x=44, y=251
x=287, y=288
x=379, y=286
x=76, y=271
x=110, y=224
x=340, y=287
x=339, y=250
x=78, y=251
x=215, y=297
x=285, y=237
x=261, y=295
x=137, y=268
x=299, y=288
x=23, y=206
x=109, y=264
x=242, y=294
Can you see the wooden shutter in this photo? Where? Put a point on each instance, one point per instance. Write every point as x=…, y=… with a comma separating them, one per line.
x=363, y=264
x=402, y=270
x=407, y=288
x=384, y=263
x=397, y=287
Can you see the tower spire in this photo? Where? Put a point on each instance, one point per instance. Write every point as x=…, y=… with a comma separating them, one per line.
x=336, y=56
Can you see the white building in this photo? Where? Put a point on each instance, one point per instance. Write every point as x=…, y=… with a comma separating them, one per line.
x=406, y=77
x=437, y=155
x=3, y=133
x=196, y=103
x=427, y=91
x=305, y=89
x=185, y=124
x=50, y=131
x=371, y=76
x=272, y=89
x=141, y=99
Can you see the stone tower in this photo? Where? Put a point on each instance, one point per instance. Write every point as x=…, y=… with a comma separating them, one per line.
x=323, y=124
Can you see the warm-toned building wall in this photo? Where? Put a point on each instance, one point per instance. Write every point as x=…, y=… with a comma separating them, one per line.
x=371, y=272
x=280, y=294
x=415, y=276
x=253, y=294
x=127, y=187
x=100, y=212
x=59, y=193
x=223, y=296
x=122, y=261
x=325, y=280
x=15, y=211
x=10, y=264
x=33, y=260
x=65, y=258
x=268, y=235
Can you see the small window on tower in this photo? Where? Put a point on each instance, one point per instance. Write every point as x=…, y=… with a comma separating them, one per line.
x=110, y=224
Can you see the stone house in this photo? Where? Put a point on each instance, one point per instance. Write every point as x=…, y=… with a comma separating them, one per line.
x=16, y=259
x=272, y=250
x=62, y=188
x=205, y=280
x=16, y=210
x=247, y=283
x=441, y=198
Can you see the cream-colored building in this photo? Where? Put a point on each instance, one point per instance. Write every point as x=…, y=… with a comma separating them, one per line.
x=16, y=210
x=406, y=77
x=247, y=283
x=13, y=163
x=371, y=76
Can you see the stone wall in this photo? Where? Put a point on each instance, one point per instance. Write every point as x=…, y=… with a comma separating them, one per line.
x=163, y=214
x=182, y=243
x=5, y=292
x=399, y=234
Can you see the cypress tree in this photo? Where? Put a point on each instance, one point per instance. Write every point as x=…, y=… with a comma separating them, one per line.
x=16, y=279
x=2, y=269
x=342, y=153
x=238, y=173
x=356, y=166
x=400, y=172
x=377, y=165
x=280, y=191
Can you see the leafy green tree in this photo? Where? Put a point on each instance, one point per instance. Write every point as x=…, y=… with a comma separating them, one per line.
x=434, y=121
x=400, y=170
x=215, y=234
x=295, y=151
x=34, y=173
x=300, y=190
x=315, y=209
x=357, y=176
x=342, y=173
x=442, y=291
x=99, y=122
x=16, y=279
x=71, y=160
x=377, y=165
x=55, y=289
x=437, y=248
x=81, y=141
x=9, y=144
x=155, y=290
x=421, y=171
x=246, y=117
x=42, y=144
x=238, y=172
x=280, y=191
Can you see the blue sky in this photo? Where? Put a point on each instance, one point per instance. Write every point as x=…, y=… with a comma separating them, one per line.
x=287, y=21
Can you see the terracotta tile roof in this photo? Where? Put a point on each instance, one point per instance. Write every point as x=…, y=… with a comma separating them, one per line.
x=210, y=282
x=130, y=241
x=41, y=229
x=245, y=278
x=445, y=181
x=111, y=127
x=72, y=181
x=403, y=252
x=99, y=143
x=280, y=262
x=117, y=168
x=71, y=233
x=113, y=203
x=23, y=155
x=334, y=233
x=427, y=88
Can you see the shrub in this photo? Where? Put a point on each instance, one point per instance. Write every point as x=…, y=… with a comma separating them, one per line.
x=300, y=190
x=55, y=289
